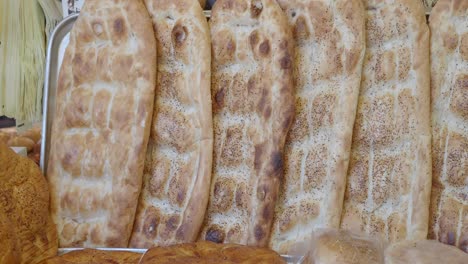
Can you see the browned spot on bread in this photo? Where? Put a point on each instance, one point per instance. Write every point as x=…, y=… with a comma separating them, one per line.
x=265, y=48
x=253, y=39
x=264, y=100
x=151, y=222
x=241, y=196
x=464, y=46
x=219, y=98
x=181, y=232
x=259, y=233
x=224, y=46
x=119, y=26
x=259, y=150
x=300, y=30
x=172, y=222
x=179, y=35
x=256, y=8
x=277, y=163
x=223, y=194
x=231, y=152
x=267, y=213
x=215, y=234
x=450, y=39
x=285, y=62
x=459, y=101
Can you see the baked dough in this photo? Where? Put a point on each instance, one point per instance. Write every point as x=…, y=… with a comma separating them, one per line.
x=330, y=46
x=9, y=253
x=389, y=176
x=253, y=108
x=331, y=246
x=424, y=252
x=176, y=181
x=24, y=202
x=449, y=57
x=212, y=253
x=88, y=256
x=101, y=126
x=202, y=3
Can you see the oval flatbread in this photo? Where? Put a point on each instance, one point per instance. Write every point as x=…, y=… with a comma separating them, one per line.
x=449, y=86
x=102, y=120
x=177, y=171
x=330, y=45
x=253, y=108
x=389, y=176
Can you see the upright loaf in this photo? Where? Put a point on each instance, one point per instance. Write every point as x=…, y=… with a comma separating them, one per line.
x=177, y=172
x=330, y=45
x=389, y=177
x=101, y=126
x=449, y=60
x=253, y=108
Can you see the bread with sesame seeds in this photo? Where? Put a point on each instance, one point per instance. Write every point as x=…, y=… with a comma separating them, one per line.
x=177, y=174
x=102, y=121
x=449, y=85
x=253, y=108
x=389, y=176
x=330, y=45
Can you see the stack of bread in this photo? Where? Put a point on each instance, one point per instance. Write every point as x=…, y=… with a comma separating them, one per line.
x=333, y=129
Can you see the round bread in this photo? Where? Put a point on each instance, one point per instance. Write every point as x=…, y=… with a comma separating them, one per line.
x=24, y=200
x=21, y=142
x=86, y=256
x=209, y=252
x=424, y=252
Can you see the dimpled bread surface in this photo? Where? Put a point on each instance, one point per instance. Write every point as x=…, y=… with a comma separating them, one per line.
x=449, y=84
x=330, y=46
x=102, y=121
x=253, y=108
x=177, y=172
x=389, y=176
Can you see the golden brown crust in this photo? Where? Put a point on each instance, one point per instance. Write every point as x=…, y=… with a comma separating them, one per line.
x=330, y=46
x=209, y=252
x=24, y=200
x=9, y=252
x=91, y=256
x=424, y=252
x=389, y=176
x=202, y=3
x=177, y=171
x=253, y=108
x=101, y=128
x=339, y=246
x=449, y=85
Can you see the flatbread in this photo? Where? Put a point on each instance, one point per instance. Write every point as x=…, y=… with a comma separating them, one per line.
x=389, y=176
x=449, y=58
x=177, y=171
x=27, y=233
x=330, y=46
x=424, y=252
x=253, y=108
x=210, y=253
x=88, y=256
x=101, y=125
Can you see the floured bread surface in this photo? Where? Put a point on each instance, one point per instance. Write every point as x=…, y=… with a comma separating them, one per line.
x=177, y=173
x=449, y=62
x=389, y=175
x=253, y=108
x=27, y=233
x=330, y=45
x=101, y=127
x=424, y=252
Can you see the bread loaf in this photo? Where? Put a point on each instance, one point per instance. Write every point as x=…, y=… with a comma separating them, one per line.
x=24, y=201
x=389, y=176
x=449, y=84
x=330, y=46
x=209, y=252
x=253, y=108
x=177, y=170
x=93, y=256
x=101, y=126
